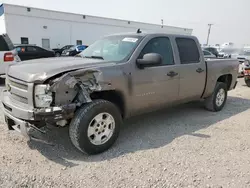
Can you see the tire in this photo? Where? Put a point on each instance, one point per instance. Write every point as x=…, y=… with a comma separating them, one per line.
x=210, y=102
x=57, y=54
x=79, y=126
x=2, y=81
x=247, y=81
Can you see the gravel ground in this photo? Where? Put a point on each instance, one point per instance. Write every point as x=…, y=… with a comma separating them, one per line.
x=185, y=146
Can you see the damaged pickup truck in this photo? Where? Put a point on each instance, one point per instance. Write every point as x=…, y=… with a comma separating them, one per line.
x=117, y=77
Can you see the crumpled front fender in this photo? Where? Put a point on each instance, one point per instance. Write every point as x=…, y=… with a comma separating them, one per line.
x=75, y=87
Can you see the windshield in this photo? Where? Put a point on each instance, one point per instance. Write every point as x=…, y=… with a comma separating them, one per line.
x=113, y=48
x=72, y=48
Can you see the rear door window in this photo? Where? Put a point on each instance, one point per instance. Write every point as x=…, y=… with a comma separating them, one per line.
x=31, y=49
x=188, y=51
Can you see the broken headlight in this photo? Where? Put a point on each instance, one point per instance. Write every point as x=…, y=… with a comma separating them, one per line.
x=43, y=97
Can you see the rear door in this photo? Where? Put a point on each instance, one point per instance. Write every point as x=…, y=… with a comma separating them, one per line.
x=154, y=87
x=192, y=69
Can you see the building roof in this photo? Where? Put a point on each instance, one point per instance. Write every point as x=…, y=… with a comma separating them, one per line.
x=55, y=14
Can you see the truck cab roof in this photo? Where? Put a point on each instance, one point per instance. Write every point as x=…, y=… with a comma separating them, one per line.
x=146, y=34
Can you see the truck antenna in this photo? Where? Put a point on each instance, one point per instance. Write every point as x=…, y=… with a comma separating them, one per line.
x=139, y=30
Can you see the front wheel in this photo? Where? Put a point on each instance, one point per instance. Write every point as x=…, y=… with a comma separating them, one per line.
x=95, y=127
x=218, y=99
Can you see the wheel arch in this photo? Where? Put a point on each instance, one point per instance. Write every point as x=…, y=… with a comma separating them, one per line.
x=114, y=96
x=227, y=79
x=212, y=81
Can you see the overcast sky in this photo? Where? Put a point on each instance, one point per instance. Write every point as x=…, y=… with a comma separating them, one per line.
x=231, y=18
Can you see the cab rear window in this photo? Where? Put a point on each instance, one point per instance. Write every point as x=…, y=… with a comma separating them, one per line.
x=5, y=43
x=188, y=50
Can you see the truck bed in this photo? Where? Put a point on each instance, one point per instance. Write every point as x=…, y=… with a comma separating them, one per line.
x=217, y=67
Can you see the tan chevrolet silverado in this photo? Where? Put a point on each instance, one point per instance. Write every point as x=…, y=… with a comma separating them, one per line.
x=117, y=77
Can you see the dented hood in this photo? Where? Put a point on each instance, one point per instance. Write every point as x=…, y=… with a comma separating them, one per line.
x=40, y=70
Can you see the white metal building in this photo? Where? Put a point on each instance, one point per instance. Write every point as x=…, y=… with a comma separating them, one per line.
x=52, y=29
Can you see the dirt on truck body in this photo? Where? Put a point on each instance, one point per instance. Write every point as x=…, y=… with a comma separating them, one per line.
x=115, y=78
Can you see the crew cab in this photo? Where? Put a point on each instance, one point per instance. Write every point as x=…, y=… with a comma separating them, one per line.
x=117, y=77
x=7, y=53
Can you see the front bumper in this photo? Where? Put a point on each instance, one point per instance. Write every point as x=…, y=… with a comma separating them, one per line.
x=21, y=119
x=19, y=125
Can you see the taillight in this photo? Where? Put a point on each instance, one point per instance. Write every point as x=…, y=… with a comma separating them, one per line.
x=8, y=57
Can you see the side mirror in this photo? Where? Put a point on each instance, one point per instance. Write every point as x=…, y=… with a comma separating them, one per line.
x=148, y=60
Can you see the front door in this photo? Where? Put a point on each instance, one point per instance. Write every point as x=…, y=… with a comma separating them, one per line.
x=157, y=86
x=192, y=70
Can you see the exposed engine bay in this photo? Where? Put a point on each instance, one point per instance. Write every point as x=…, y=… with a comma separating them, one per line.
x=62, y=95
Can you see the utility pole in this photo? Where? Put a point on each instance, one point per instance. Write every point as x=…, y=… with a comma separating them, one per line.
x=209, y=31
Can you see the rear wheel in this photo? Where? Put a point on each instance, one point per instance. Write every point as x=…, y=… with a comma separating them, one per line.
x=217, y=100
x=57, y=54
x=95, y=127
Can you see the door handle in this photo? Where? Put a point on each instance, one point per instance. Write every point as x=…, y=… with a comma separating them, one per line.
x=172, y=74
x=199, y=70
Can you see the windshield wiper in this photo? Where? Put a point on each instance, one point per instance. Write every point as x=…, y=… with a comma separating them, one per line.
x=94, y=57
